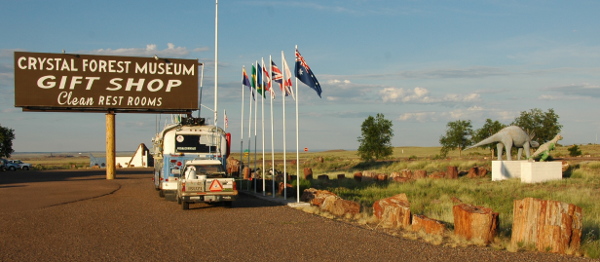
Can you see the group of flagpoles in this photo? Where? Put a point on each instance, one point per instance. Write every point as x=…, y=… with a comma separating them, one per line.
x=295, y=95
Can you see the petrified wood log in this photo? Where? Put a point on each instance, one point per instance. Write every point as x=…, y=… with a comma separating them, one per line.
x=393, y=211
x=428, y=225
x=452, y=172
x=549, y=225
x=475, y=223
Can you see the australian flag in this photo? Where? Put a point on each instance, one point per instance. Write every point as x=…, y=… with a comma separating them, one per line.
x=305, y=75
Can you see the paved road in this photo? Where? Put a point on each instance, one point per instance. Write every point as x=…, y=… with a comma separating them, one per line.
x=80, y=216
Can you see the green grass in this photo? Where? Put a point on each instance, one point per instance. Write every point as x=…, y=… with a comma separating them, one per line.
x=434, y=197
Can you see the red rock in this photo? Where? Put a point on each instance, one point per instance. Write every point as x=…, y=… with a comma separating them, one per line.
x=393, y=211
x=428, y=225
x=407, y=173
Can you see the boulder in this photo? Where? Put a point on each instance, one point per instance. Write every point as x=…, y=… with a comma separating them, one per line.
x=341, y=176
x=393, y=211
x=479, y=224
x=428, y=225
x=549, y=225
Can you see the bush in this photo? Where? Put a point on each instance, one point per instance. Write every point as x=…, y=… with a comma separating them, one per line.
x=574, y=151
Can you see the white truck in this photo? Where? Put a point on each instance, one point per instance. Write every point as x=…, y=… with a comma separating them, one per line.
x=205, y=180
x=186, y=140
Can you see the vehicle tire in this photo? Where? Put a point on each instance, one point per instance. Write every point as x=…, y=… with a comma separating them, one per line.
x=161, y=193
x=25, y=168
x=12, y=168
x=185, y=205
x=228, y=204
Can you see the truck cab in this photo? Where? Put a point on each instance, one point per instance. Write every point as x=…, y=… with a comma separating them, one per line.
x=205, y=180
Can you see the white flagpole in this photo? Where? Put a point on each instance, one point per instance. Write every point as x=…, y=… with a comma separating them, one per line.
x=249, y=127
x=255, y=125
x=216, y=60
x=272, y=128
x=262, y=100
x=242, y=126
x=297, y=145
x=283, y=94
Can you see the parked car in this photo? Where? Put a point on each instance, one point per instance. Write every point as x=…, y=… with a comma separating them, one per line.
x=24, y=166
x=7, y=165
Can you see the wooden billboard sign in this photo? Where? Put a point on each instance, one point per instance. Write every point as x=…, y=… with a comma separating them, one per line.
x=91, y=83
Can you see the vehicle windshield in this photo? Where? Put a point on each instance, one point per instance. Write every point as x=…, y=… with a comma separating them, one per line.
x=210, y=171
x=195, y=144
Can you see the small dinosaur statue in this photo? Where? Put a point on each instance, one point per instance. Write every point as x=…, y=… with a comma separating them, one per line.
x=545, y=148
x=508, y=137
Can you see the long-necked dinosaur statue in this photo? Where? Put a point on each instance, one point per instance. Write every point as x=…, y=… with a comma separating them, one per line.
x=508, y=137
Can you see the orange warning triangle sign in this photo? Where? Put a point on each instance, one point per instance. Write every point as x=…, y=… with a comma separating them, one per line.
x=215, y=186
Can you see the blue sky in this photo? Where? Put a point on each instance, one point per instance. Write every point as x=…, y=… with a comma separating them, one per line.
x=420, y=63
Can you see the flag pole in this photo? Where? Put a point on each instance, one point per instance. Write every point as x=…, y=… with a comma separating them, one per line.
x=272, y=128
x=242, y=127
x=216, y=61
x=262, y=100
x=255, y=127
x=297, y=146
x=284, y=145
x=249, y=129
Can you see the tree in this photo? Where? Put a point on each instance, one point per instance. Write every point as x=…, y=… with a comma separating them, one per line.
x=545, y=126
x=488, y=129
x=6, y=137
x=457, y=136
x=375, y=142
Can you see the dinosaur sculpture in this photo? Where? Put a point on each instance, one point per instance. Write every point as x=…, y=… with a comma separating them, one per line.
x=544, y=150
x=509, y=137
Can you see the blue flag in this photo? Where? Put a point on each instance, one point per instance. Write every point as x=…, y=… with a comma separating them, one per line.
x=305, y=75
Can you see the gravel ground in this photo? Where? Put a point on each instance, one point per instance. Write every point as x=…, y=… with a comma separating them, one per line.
x=80, y=216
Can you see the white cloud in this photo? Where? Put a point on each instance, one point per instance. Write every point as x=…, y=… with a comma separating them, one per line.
x=421, y=95
x=150, y=50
